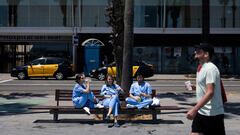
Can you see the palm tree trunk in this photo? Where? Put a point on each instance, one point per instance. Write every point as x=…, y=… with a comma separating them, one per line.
x=128, y=45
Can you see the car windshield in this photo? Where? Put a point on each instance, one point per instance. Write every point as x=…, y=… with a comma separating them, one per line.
x=111, y=64
x=54, y=61
x=135, y=63
x=38, y=62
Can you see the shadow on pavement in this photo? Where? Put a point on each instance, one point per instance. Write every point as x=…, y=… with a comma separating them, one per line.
x=188, y=104
x=121, y=122
x=16, y=95
x=232, y=108
x=227, y=76
x=18, y=103
x=14, y=109
x=177, y=96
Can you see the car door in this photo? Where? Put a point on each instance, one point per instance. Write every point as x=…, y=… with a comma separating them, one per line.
x=50, y=67
x=134, y=70
x=35, y=68
x=112, y=70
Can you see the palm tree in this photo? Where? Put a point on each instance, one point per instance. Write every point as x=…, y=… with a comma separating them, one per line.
x=115, y=11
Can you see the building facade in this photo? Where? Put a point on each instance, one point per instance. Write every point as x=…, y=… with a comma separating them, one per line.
x=165, y=32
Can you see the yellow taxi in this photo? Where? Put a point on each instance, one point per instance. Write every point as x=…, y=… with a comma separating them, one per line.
x=146, y=69
x=44, y=67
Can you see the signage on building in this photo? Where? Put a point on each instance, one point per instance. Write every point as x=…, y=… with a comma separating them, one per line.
x=75, y=40
x=177, y=51
x=30, y=38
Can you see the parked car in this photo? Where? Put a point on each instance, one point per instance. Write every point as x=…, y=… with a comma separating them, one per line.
x=140, y=66
x=44, y=67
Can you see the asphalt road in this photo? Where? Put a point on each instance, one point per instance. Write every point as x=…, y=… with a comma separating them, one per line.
x=49, y=85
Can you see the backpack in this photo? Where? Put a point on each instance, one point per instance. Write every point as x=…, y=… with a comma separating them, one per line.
x=224, y=96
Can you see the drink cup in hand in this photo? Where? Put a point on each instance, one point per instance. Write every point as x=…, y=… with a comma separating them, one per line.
x=188, y=85
x=87, y=80
x=138, y=99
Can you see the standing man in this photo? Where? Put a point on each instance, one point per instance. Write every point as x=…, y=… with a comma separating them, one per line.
x=208, y=113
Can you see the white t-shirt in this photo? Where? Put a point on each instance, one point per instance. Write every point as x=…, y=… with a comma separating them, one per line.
x=209, y=73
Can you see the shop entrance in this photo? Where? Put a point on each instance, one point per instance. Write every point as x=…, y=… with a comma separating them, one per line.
x=92, y=54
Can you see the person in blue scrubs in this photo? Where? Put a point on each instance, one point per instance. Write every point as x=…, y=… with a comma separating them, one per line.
x=139, y=94
x=111, y=91
x=82, y=96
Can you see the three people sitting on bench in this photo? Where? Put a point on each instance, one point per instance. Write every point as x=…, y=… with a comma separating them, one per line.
x=110, y=91
x=139, y=95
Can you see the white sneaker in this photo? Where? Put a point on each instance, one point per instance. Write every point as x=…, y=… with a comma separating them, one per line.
x=87, y=110
x=98, y=106
x=130, y=106
x=146, y=107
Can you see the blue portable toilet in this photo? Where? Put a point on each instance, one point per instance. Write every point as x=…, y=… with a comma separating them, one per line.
x=92, y=54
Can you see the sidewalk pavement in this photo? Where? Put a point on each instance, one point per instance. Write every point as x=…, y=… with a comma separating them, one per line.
x=189, y=77
x=16, y=119
x=5, y=77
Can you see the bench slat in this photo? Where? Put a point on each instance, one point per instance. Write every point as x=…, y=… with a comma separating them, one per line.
x=122, y=108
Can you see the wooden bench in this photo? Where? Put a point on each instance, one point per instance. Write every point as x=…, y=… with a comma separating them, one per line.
x=66, y=95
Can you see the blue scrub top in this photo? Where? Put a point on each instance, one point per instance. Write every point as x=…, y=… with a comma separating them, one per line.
x=136, y=89
x=78, y=90
x=110, y=89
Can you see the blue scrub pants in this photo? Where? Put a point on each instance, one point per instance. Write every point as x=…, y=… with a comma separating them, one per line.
x=86, y=100
x=114, y=103
x=141, y=104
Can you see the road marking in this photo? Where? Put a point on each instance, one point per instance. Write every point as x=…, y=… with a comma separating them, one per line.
x=6, y=80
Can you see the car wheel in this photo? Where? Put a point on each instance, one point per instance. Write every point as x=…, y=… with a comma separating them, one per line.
x=59, y=76
x=21, y=76
x=101, y=76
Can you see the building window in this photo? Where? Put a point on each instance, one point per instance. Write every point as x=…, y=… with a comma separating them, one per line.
x=93, y=13
x=4, y=8
x=225, y=13
x=168, y=13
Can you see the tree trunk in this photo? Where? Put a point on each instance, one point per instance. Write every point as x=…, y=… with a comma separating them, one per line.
x=115, y=11
x=128, y=45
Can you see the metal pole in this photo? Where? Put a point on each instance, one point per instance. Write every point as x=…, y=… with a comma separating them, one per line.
x=74, y=46
x=25, y=54
x=205, y=21
x=234, y=13
x=164, y=15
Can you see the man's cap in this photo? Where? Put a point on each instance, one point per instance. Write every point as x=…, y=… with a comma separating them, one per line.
x=206, y=47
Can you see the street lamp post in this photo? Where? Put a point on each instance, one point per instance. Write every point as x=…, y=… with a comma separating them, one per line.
x=75, y=40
